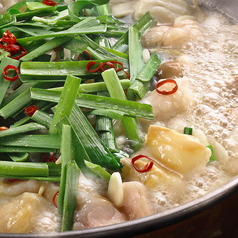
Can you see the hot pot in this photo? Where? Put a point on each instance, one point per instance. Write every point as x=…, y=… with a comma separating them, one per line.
x=212, y=215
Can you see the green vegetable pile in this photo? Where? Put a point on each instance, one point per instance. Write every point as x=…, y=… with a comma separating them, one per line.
x=60, y=89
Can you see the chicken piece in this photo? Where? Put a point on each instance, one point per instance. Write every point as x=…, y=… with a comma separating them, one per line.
x=153, y=36
x=50, y=190
x=174, y=37
x=133, y=197
x=164, y=11
x=166, y=106
x=181, y=34
x=94, y=209
x=97, y=211
x=17, y=187
x=136, y=200
x=122, y=9
x=179, y=152
x=18, y=214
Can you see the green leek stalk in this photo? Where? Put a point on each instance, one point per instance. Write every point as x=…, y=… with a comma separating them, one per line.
x=65, y=158
x=129, y=108
x=66, y=101
x=70, y=196
x=129, y=124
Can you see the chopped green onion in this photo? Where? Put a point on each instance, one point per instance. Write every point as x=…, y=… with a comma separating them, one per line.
x=65, y=158
x=45, y=47
x=18, y=157
x=42, y=118
x=133, y=109
x=66, y=101
x=97, y=169
x=129, y=124
x=23, y=169
x=22, y=129
x=38, y=141
x=70, y=196
x=21, y=149
x=188, y=130
x=96, y=87
x=213, y=157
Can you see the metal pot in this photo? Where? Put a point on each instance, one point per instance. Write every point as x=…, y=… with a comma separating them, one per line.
x=212, y=215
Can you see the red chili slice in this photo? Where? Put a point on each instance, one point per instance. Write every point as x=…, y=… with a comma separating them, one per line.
x=49, y=2
x=12, y=49
x=109, y=64
x=54, y=199
x=91, y=64
x=5, y=71
x=50, y=159
x=8, y=38
x=161, y=83
x=11, y=180
x=128, y=75
x=146, y=168
x=3, y=128
x=9, y=43
x=31, y=110
x=116, y=62
x=87, y=52
x=23, y=52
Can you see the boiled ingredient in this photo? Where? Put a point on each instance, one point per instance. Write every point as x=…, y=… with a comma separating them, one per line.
x=182, y=33
x=19, y=214
x=170, y=105
x=136, y=203
x=17, y=187
x=170, y=69
x=178, y=152
x=177, y=36
x=163, y=11
x=115, y=189
x=97, y=211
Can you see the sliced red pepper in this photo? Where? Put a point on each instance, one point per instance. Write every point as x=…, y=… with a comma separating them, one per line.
x=5, y=71
x=11, y=180
x=8, y=38
x=87, y=52
x=31, y=110
x=146, y=168
x=164, y=92
x=91, y=64
x=49, y=2
x=50, y=159
x=9, y=44
x=109, y=64
x=12, y=49
x=23, y=52
x=128, y=75
x=116, y=62
x=54, y=199
x=3, y=128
